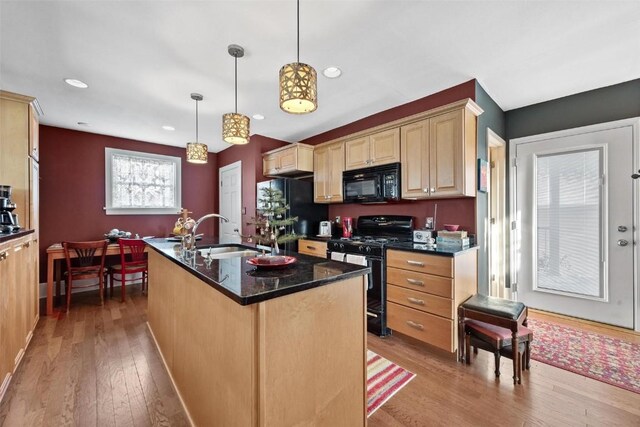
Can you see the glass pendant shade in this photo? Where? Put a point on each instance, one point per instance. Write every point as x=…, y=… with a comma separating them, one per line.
x=298, y=88
x=197, y=152
x=235, y=128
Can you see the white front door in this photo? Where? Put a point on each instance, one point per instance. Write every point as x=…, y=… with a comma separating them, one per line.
x=230, y=178
x=575, y=229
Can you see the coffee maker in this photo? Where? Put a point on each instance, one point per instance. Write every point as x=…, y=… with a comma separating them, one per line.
x=8, y=220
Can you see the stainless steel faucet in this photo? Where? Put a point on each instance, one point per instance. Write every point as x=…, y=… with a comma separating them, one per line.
x=189, y=241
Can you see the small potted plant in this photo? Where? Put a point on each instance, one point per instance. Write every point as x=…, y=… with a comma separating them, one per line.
x=271, y=222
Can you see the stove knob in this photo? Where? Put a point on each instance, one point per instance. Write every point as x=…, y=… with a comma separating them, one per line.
x=360, y=248
x=341, y=245
x=368, y=248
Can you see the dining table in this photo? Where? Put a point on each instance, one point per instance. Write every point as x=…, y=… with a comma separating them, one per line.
x=55, y=254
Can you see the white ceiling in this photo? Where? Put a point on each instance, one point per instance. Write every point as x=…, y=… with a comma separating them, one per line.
x=142, y=59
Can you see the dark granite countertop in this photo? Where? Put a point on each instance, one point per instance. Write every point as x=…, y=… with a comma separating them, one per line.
x=5, y=237
x=246, y=285
x=422, y=248
x=318, y=238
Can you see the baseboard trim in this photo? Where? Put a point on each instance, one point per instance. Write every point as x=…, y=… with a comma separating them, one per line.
x=173, y=382
x=4, y=386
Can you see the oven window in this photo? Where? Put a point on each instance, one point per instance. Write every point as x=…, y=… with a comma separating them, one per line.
x=366, y=187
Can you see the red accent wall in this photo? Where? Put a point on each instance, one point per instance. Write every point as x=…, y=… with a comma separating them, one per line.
x=450, y=211
x=72, y=194
x=251, y=157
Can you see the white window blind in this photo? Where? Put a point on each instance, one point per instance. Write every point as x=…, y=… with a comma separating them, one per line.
x=141, y=183
x=569, y=223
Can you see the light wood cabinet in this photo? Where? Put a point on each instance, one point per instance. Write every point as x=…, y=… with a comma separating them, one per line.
x=438, y=155
x=313, y=248
x=328, y=165
x=292, y=160
x=18, y=150
x=373, y=150
x=19, y=303
x=423, y=291
x=235, y=365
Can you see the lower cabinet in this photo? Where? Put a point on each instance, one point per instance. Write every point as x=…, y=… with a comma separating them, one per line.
x=424, y=291
x=312, y=247
x=19, y=303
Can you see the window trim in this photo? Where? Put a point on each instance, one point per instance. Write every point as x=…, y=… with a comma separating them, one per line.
x=110, y=210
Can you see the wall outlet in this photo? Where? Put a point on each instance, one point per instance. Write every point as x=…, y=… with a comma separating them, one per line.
x=429, y=222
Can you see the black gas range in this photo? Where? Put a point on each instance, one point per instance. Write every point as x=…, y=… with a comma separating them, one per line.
x=373, y=233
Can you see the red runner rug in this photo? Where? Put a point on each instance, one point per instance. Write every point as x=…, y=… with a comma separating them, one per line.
x=606, y=359
x=384, y=379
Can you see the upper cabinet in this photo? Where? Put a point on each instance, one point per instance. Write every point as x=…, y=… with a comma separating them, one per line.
x=439, y=154
x=295, y=159
x=372, y=150
x=328, y=164
x=19, y=152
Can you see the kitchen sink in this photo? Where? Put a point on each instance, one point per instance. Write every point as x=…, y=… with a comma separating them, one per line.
x=217, y=252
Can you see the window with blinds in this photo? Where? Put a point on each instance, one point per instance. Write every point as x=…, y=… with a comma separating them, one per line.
x=141, y=183
x=569, y=223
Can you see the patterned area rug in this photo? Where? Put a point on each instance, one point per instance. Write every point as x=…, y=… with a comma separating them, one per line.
x=596, y=356
x=384, y=379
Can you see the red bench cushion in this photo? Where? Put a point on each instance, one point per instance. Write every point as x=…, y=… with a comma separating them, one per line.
x=494, y=332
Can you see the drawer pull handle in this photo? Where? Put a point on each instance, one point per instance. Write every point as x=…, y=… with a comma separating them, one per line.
x=3, y=256
x=27, y=244
x=313, y=248
x=415, y=301
x=418, y=263
x=415, y=325
x=416, y=282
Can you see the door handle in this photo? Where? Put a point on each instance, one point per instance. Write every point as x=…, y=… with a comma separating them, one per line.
x=622, y=242
x=622, y=228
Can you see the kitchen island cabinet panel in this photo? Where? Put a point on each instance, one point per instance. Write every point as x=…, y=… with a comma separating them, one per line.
x=295, y=359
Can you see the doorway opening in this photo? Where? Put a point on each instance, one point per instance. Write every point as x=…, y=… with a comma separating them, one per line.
x=497, y=226
x=230, y=197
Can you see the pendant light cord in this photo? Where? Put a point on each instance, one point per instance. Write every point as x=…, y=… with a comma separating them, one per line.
x=236, y=60
x=196, y=120
x=298, y=29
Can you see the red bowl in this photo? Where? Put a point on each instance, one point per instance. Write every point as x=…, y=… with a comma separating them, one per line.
x=451, y=227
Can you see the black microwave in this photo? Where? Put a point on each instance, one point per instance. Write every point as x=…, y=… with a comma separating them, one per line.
x=377, y=184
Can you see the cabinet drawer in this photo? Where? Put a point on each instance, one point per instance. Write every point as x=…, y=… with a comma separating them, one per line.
x=425, y=327
x=432, y=264
x=313, y=248
x=436, y=285
x=421, y=301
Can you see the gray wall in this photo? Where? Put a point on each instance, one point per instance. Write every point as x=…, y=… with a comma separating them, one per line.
x=494, y=119
x=621, y=101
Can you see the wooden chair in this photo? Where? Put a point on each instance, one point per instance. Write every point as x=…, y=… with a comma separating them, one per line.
x=135, y=261
x=84, y=263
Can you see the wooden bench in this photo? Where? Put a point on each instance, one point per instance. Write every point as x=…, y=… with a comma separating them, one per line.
x=497, y=312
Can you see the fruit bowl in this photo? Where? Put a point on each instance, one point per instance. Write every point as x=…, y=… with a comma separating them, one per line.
x=451, y=227
x=266, y=262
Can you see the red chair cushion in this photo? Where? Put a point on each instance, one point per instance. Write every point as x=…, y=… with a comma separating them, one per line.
x=493, y=332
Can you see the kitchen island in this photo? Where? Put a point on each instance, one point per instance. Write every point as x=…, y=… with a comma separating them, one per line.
x=247, y=347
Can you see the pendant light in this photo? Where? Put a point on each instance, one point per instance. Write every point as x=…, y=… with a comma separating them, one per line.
x=298, y=84
x=235, y=127
x=196, y=151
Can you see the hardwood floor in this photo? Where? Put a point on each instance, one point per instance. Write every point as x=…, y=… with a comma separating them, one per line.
x=99, y=367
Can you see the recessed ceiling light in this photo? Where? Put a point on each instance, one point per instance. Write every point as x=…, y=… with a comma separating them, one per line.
x=167, y=127
x=76, y=83
x=332, y=72
x=258, y=116
x=84, y=124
